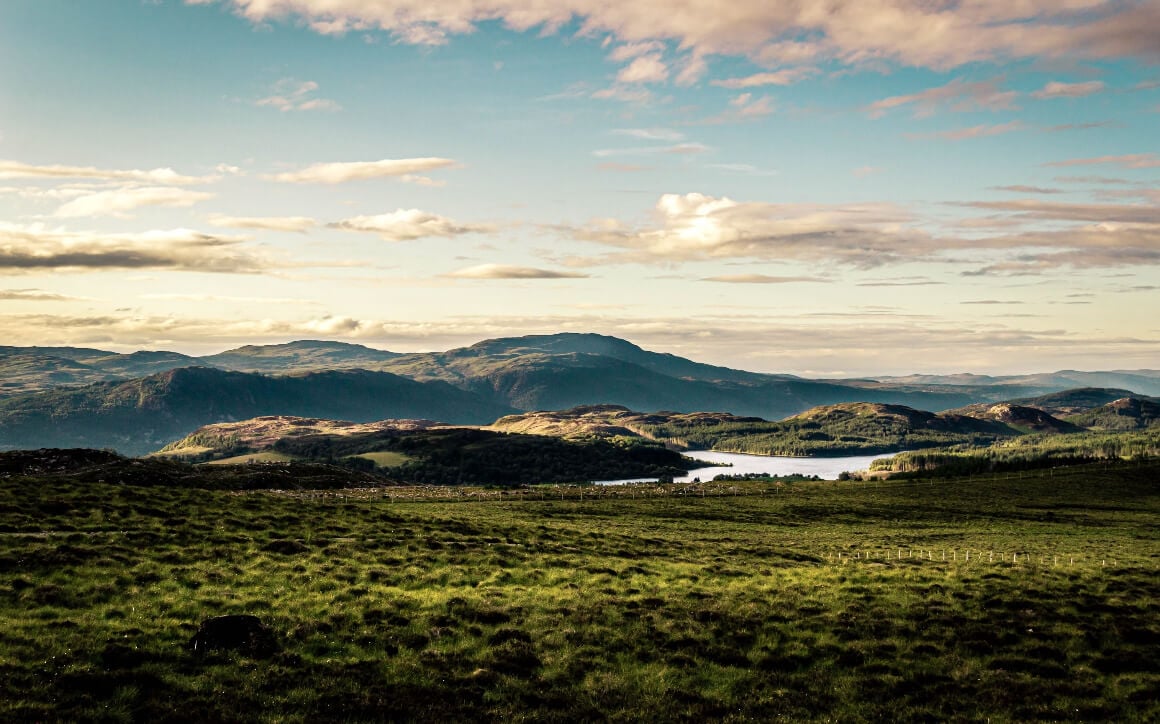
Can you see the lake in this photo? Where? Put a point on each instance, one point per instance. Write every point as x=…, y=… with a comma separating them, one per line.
x=739, y=464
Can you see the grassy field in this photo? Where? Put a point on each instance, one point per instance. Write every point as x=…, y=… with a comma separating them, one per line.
x=748, y=601
x=385, y=459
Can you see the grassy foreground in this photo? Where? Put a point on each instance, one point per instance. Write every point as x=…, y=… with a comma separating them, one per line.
x=804, y=601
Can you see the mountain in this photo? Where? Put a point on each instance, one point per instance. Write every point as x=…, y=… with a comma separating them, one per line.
x=297, y=356
x=1143, y=382
x=1126, y=413
x=141, y=415
x=34, y=369
x=231, y=439
x=1057, y=404
x=1024, y=419
x=551, y=372
x=848, y=428
x=419, y=452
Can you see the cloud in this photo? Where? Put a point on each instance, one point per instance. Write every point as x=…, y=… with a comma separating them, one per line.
x=620, y=167
x=651, y=134
x=157, y=176
x=1056, y=89
x=342, y=172
x=1132, y=160
x=500, y=271
x=958, y=95
x=118, y=202
x=624, y=94
x=974, y=131
x=291, y=95
x=696, y=226
x=1021, y=189
x=918, y=33
x=645, y=69
x=1061, y=211
x=267, y=223
x=864, y=171
x=785, y=76
x=676, y=149
x=761, y=279
x=410, y=224
x=746, y=106
x=1031, y=235
x=33, y=295
x=39, y=247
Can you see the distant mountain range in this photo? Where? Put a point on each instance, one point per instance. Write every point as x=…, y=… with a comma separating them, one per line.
x=141, y=415
x=69, y=396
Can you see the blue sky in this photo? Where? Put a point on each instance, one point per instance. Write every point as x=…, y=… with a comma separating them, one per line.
x=884, y=187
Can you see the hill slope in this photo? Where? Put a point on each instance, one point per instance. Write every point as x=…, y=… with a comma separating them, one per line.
x=141, y=415
x=1126, y=413
x=848, y=428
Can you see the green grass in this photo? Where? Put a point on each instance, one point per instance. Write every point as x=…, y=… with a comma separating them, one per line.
x=756, y=601
x=385, y=459
x=258, y=457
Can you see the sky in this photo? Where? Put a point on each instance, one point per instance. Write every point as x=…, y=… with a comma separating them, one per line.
x=837, y=188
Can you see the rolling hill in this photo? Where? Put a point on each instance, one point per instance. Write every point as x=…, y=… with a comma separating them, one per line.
x=141, y=415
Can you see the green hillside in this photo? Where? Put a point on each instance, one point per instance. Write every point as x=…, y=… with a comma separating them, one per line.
x=142, y=415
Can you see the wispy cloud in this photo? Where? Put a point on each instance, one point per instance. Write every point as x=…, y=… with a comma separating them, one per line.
x=292, y=95
x=1131, y=160
x=667, y=135
x=1021, y=189
x=1056, y=89
x=158, y=176
x=345, y=171
x=980, y=131
x=644, y=69
x=501, y=271
x=676, y=149
x=763, y=279
x=958, y=95
x=119, y=202
x=34, y=295
x=410, y=224
x=267, y=223
x=39, y=247
x=905, y=32
x=785, y=76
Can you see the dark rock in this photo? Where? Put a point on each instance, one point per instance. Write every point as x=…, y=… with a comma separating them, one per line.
x=236, y=633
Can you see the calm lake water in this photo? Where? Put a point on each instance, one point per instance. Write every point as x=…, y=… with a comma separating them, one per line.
x=737, y=464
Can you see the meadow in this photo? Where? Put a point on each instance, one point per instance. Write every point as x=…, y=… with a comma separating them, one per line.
x=1019, y=597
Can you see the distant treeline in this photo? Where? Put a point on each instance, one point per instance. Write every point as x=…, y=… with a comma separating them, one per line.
x=857, y=435
x=1029, y=452
x=480, y=457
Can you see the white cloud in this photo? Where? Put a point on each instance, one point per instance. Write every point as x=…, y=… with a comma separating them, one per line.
x=957, y=95
x=118, y=202
x=269, y=223
x=33, y=295
x=651, y=134
x=676, y=149
x=786, y=76
x=922, y=33
x=39, y=247
x=1131, y=160
x=500, y=271
x=159, y=176
x=980, y=131
x=342, y=172
x=1056, y=89
x=292, y=95
x=694, y=227
x=410, y=224
x=761, y=279
x=645, y=69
